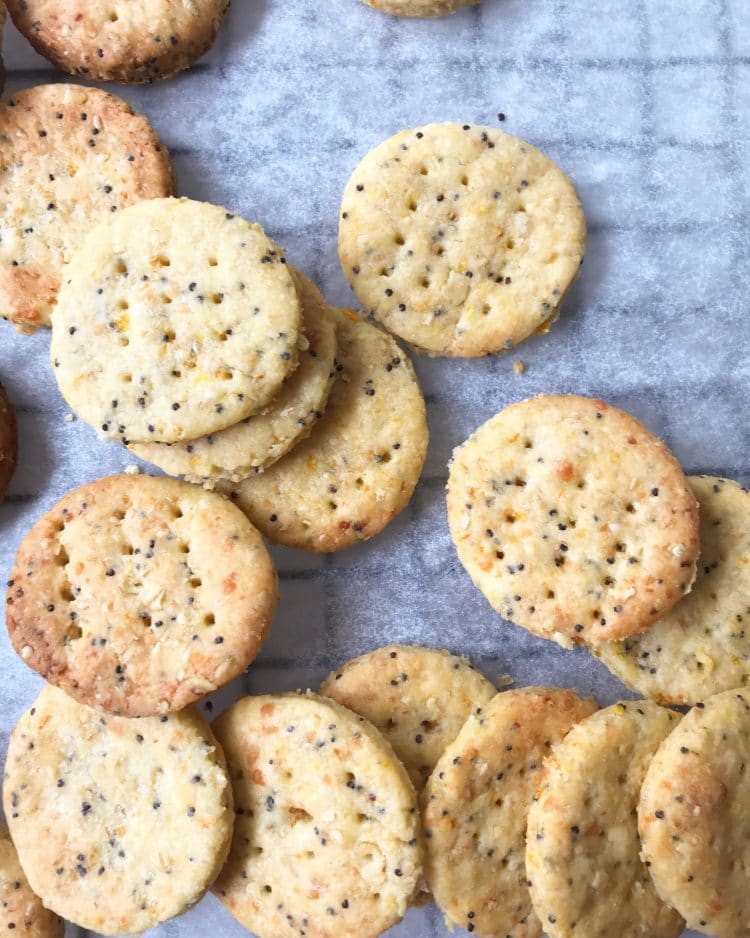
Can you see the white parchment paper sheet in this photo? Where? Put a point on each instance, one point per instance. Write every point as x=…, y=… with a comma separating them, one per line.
x=645, y=103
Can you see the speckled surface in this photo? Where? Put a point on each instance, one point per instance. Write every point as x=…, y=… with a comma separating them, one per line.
x=646, y=104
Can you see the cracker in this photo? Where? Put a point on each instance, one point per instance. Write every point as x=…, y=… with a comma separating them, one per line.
x=8, y=442
x=70, y=157
x=21, y=911
x=582, y=849
x=326, y=839
x=700, y=647
x=176, y=320
x=419, y=8
x=461, y=240
x=573, y=519
x=130, y=41
x=419, y=698
x=475, y=805
x=259, y=441
x=692, y=816
x=119, y=824
x=359, y=467
x=140, y=595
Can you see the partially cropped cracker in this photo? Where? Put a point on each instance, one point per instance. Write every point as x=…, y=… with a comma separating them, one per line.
x=573, y=519
x=130, y=41
x=326, y=840
x=586, y=877
x=259, y=441
x=8, y=441
x=693, y=817
x=462, y=240
x=70, y=158
x=21, y=910
x=702, y=645
x=419, y=698
x=177, y=319
x=419, y=8
x=361, y=463
x=476, y=802
x=119, y=824
x=140, y=595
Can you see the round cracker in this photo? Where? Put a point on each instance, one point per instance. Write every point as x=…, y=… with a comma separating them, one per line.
x=419, y=698
x=693, y=818
x=699, y=648
x=69, y=158
x=130, y=41
x=8, y=442
x=475, y=805
x=359, y=467
x=259, y=441
x=419, y=8
x=176, y=320
x=319, y=794
x=140, y=595
x=21, y=910
x=461, y=240
x=573, y=519
x=586, y=876
x=119, y=824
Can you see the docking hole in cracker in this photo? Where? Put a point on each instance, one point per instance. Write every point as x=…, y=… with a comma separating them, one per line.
x=573, y=519
x=177, y=319
x=462, y=240
x=140, y=595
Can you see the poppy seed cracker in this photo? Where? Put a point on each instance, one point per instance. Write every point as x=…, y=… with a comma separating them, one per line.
x=702, y=645
x=419, y=8
x=419, y=698
x=119, y=824
x=358, y=468
x=140, y=595
x=8, y=442
x=70, y=158
x=21, y=911
x=326, y=839
x=261, y=440
x=586, y=877
x=693, y=818
x=476, y=802
x=461, y=240
x=176, y=320
x=573, y=519
x=129, y=41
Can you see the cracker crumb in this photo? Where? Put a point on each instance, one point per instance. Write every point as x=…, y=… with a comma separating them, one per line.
x=505, y=680
x=519, y=367
x=132, y=470
x=69, y=418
